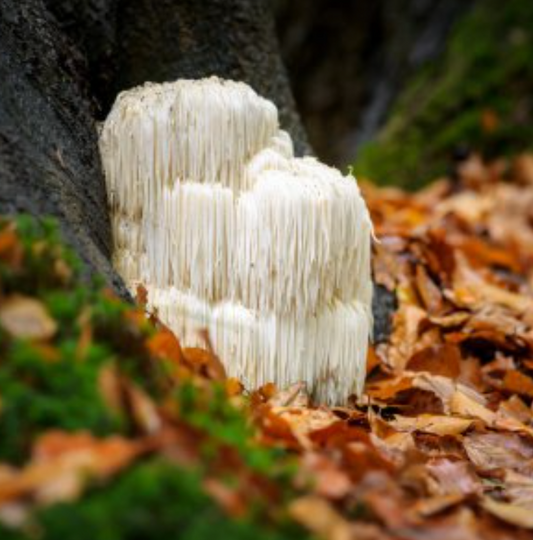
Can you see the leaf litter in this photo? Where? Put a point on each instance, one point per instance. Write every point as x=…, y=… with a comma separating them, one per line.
x=439, y=446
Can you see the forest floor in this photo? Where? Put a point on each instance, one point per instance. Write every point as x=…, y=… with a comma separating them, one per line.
x=109, y=429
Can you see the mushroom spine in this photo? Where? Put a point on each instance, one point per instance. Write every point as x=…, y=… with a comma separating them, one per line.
x=229, y=231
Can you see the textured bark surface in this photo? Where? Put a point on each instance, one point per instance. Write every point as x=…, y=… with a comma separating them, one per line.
x=60, y=69
x=128, y=42
x=49, y=160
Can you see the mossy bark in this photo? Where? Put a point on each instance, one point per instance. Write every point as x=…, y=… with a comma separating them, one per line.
x=478, y=94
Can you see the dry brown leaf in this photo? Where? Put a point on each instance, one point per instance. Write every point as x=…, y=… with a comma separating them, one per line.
x=143, y=410
x=428, y=291
x=452, y=478
x=498, y=450
x=442, y=387
x=63, y=463
x=518, y=383
x=430, y=423
x=451, y=320
x=11, y=251
x=395, y=448
x=405, y=339
x=464, y=405
x=523, y=169
x=165, y=345
x=518, y=489
x=439, y=359
x=434, y=505
x=515, y=408
x=327, y=478
x=303, y=422
x=110, y=387
x=389, y=388
x=320, y=517
x=508, y=512
x=25, y=317
x=205, y=361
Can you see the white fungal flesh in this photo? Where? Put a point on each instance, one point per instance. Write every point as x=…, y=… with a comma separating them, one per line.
x=228, y=231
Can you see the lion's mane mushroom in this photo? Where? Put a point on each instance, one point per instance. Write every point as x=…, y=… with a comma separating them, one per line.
x=229, y=231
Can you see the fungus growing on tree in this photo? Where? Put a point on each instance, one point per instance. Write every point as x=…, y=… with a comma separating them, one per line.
x=228, y=231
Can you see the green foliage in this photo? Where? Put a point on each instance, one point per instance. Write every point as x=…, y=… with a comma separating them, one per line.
x=55, y=384
x=227, y=425
x=479, y=94
x=40, y=393
x=151, y=501
x=43, y=251
x=52, y=385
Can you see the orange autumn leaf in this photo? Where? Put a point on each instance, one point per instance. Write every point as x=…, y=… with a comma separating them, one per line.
x=440, y=359
x=11, y=251
x=201, y=359
x=164, y=344
x=388, y=388
x=518, y=383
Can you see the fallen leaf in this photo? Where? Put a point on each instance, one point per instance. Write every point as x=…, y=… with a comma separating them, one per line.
x=508, y=512
x=389, y=388
x=320, y=517
x=206, y=361
x=327, y=478
x=453, y=478
x=430, y=423
x=518, y=383
x=25, y=317
x=11, y=251
x=497, y=450
x=63, y=463
x=464, y=405
x=440, y=359
x=434, y=505
x=164, y=344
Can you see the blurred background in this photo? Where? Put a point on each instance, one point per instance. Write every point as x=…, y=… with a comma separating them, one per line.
x=401, y=88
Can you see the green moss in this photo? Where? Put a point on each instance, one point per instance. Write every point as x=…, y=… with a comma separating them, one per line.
x=486, y=70
x=151, y=501
x=39, y=394
x=54, y=384
x=225, y=425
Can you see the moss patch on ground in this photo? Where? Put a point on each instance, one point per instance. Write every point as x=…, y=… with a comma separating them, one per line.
x=60, y=338
x=479, y=94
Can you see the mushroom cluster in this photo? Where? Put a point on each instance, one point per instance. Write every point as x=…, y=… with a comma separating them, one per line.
x=229, y=232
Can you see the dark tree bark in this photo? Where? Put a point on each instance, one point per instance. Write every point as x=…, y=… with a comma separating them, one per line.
x=49, y=160
x=62, y=64
x=129, y=42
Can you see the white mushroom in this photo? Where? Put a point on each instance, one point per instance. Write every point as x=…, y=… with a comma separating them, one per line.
x=228, y=231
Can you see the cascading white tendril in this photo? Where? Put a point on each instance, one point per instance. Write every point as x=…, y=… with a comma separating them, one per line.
x=228, y=231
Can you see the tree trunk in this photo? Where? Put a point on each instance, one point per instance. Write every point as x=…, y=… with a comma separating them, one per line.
x=129, y=42
x=49, y=160
x=62, y=64
x=60, y=71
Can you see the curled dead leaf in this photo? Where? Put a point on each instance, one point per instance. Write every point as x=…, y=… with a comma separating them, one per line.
x=320, y=517
x=498, y=450
x=431, y=423
x=508, y=512
x=25, y=317
x=63, y=463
